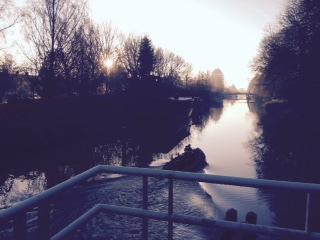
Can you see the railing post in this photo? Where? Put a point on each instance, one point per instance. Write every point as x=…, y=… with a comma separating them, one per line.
x=20, y=227
x=44, y=221
x=170, y=209
x=251, y=218
x=307, y=220
x=231, y=216
x=145, y=206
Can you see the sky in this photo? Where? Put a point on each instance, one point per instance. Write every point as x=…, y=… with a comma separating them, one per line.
x=208, y=34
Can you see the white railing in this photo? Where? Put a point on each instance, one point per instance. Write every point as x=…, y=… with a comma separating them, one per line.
x=17, y=213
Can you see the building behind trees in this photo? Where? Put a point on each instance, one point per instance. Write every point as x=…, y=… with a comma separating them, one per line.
x=218, y=80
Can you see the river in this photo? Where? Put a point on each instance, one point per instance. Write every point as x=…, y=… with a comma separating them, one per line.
x=226, y=144
x=228, y=138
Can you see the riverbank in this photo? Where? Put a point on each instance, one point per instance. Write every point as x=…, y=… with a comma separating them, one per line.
x=46, y=123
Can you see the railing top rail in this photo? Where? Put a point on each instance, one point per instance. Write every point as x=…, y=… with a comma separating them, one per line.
x=25, y=205
x=208, y=178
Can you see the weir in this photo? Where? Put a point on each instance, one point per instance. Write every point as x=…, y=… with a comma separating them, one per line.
x=17, y=213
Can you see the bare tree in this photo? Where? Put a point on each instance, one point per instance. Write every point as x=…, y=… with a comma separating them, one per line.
x=50, y=26
x=7, y=64
x=171, y=66
x=8, y=15
x=128, y=55
x=86, y=58
x=161, y=64
x=109, y=39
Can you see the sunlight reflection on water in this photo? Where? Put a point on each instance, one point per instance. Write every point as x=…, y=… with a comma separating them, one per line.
x=225, y=144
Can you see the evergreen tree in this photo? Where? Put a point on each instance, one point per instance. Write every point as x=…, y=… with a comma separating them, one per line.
x=146, y=58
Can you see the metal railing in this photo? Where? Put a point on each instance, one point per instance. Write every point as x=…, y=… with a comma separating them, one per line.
x=17, y=213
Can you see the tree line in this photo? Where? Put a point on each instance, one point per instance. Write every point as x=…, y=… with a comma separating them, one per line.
x=287, y=65
x=69, y=55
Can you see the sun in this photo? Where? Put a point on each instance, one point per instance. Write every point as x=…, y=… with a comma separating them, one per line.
x=108, y=63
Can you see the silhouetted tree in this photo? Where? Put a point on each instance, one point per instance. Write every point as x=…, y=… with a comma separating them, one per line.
x=50, y=26
x=5, y=84
x=6, y=80
x=52, y=79
x=128, y=55
x=86, y=55
x=146, y=58
x=289, y=57
x=171, y=67
x=109, y=37
x=202, y=87
x=118, y=81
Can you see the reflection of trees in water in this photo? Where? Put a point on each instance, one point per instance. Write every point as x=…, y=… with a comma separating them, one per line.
x=287, y=149
x=122, y=153
x=46, y=167
x=203, y=114
x=256, y=106
x=57, y=163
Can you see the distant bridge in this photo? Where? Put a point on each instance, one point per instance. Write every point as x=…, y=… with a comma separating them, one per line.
x=239, y=95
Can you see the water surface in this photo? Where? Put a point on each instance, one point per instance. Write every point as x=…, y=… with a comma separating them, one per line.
x=229, y=137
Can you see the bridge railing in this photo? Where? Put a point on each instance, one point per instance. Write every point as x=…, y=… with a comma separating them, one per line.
x=17, y=213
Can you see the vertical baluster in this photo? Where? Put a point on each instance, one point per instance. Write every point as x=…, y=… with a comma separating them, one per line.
x=231, y=216
x=170, y=209
x=307, y=220
x=44, y=221
x=145, y=206
x=20, y=227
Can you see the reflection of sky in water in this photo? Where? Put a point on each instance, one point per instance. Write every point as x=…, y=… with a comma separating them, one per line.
x=225, y=145
x=224, y=142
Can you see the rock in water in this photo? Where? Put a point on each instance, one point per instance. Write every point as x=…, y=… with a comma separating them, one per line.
x=192, y=160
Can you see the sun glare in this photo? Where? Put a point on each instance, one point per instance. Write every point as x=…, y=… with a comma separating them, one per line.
x=108, y=63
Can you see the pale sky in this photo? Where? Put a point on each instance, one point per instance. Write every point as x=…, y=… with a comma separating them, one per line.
x=206, y=33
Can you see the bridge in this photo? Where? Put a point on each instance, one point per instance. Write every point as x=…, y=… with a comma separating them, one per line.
x=17, y=213
x=239, y=95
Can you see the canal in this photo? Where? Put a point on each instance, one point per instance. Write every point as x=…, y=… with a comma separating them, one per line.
x=231, y=140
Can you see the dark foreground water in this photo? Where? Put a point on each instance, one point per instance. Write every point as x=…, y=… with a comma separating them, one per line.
x=232, y=141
